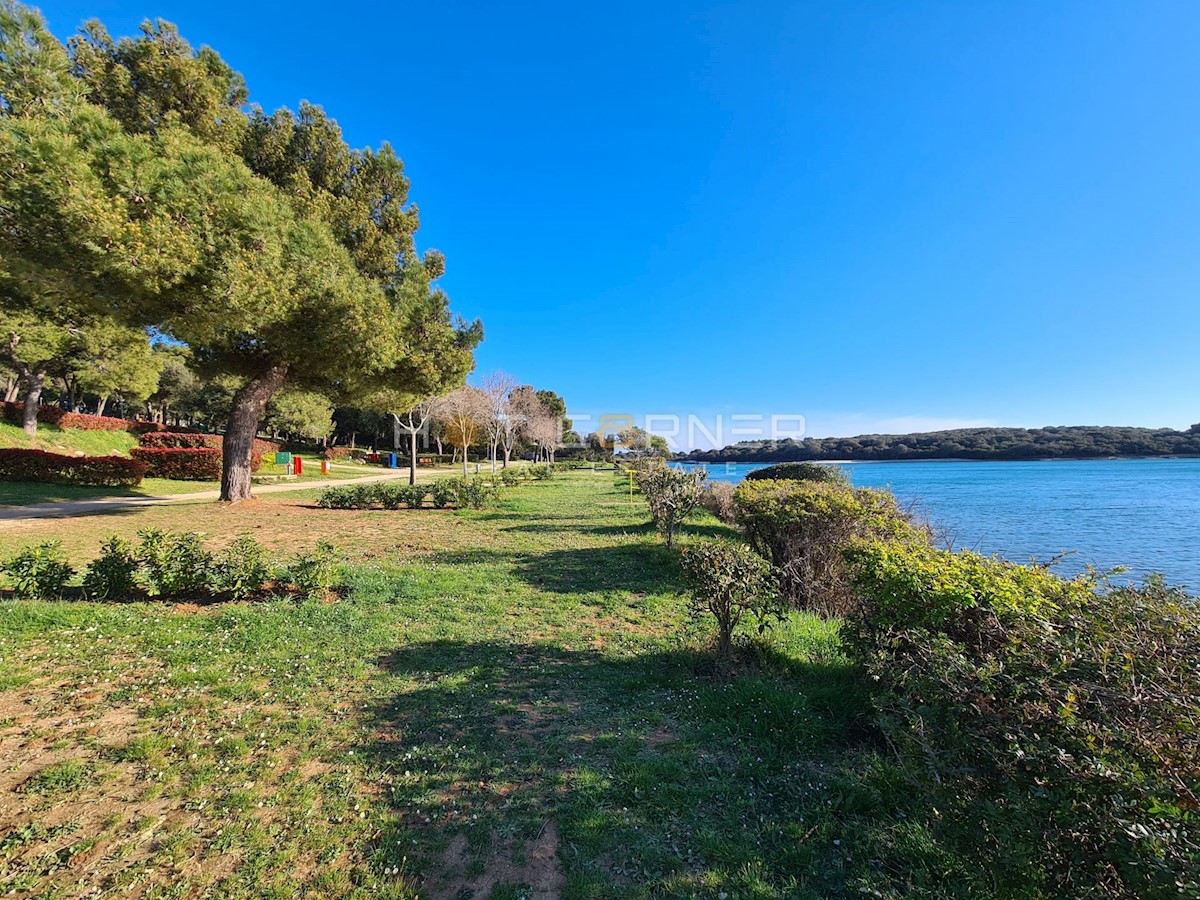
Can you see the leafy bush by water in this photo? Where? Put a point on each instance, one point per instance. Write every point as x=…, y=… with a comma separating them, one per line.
x=729, y=580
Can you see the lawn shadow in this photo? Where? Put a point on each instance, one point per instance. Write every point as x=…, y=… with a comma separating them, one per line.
x=489, y=745
x=634, y=568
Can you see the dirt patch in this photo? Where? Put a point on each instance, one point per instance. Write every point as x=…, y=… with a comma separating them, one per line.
x=540, y=871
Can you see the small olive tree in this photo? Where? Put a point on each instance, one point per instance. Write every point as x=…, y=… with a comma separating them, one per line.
x=670, y=493
x=729, y=580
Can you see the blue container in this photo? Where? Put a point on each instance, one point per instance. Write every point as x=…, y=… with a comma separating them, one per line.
x=391, y=460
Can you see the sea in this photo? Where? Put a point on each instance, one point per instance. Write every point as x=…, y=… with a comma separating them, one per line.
x=1140, y=514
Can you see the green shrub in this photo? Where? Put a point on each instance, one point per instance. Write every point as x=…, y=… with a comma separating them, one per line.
x=671, y=494
x=113, y=574
x=1053, y=727
x=803, y=529
x=466, y=493
x=800, y=471
x=510, y=477
x=173, y=563
x=242, y=569
x=729, y=580
x=315, y=574
x=391, y=496
x=442, y=493
x=39, y=572
x=338, y=498
x=540, y=471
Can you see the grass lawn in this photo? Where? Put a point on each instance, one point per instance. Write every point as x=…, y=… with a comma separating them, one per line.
x=505, y=703
x=69, y=440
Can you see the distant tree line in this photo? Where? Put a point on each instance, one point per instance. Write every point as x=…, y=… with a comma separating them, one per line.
x=1060, y=442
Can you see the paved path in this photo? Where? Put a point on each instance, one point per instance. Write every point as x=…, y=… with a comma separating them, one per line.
x=70, y=508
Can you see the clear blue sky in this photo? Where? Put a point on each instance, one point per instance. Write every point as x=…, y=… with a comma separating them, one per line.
x=884, y=216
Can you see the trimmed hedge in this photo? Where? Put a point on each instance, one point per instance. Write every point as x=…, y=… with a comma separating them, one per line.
x=180, y=463
x=38, y=465
x=171, y=440
x=55, y=415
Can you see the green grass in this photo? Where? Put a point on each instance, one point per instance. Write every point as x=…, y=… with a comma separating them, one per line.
x=67, y=440
x=504, y=700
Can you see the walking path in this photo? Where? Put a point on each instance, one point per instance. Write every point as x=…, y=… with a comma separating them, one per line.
x=70, y=508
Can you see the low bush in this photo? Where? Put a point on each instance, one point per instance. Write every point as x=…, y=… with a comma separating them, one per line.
x=470, y=493
x=540, y=471
x=800, y=471
x=671, y=494
x=728, y=581
x=180, y=464
x=510, y=477
x=38, y=465
x=82, y=422
x=804, y=527
x=717, y=498
x=369, y=496
x=113, y=574
x=173, y=563
x=39, y=572
x=1052, y=726
x=241, y=569
x=313, y=575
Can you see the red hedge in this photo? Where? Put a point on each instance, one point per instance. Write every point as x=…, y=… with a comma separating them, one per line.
x=188, y=463
x=175, y=439
x=180, y=463
x=55, y=415
x=83, y=422
x=38, y=465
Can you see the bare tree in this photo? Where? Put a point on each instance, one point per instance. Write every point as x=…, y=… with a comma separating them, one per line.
x=496, y=388
x=413, y=422
x=542, y=431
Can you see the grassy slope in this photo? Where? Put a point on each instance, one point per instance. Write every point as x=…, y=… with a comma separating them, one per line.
x=505, y=699
x=69, y=440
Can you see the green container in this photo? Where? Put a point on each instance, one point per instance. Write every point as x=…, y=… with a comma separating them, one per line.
x=283, y=459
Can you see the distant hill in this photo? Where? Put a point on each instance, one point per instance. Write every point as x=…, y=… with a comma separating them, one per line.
x=1062, y=442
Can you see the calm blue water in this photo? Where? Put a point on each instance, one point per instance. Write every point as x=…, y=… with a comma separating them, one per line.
x=1140, y=513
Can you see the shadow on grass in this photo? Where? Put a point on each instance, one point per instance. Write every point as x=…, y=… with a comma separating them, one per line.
x=647, y=766
x=633, y=568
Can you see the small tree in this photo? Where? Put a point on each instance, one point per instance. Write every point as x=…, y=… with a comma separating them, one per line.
x=460, y=413
x=670, y=493
x=412, y=422
x=494, y=409
x=727, y=581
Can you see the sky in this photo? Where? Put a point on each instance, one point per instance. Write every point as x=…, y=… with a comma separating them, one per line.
x=856, y=217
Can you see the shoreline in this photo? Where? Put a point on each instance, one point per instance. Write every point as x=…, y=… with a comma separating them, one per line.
x=944, y=459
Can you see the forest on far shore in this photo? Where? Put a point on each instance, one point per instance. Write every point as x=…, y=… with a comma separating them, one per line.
x=1060, y=442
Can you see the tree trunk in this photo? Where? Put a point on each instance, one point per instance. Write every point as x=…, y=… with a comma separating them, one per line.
x=10, y=392
x=412, y=460
x=100, y=405
x=464, y=462
x=33, y=396
x=249, y=404
x=507, y=455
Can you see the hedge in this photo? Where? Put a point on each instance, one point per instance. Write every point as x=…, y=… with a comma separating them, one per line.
x=181, y=463
x=55, y=415
x=38, y=465
x=197, y=440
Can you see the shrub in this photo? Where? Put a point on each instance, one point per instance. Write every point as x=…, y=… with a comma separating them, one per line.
x=38, y=465
x=1053, y=724
x=241, y=569
x=803, y=529
x=729, y=580
x=717, y=498
x=180, y=464
x=314, y=575
x=540, y=471
x=800, y=471
x=670, y=493
x=81, y=422
x=510, y=477
x=113, y=574
x=171, y=563
x=40, y=571
x=442, y=493
x=467, y=493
